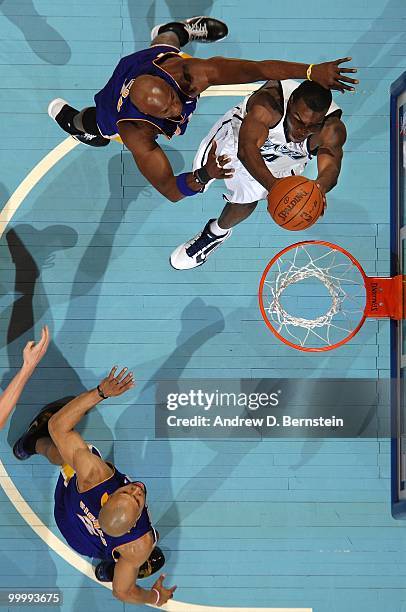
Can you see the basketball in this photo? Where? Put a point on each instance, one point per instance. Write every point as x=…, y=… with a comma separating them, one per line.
x=295, y=203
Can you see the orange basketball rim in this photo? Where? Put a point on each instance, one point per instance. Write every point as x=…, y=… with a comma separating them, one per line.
x=331, y=293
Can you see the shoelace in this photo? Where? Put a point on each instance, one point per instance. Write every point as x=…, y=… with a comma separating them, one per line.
x=202, y=240
x=197, y=29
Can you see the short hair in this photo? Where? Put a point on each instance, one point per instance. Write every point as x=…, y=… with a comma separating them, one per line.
x=316, y=97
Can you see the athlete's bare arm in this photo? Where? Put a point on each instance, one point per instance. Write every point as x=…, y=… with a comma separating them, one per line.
x=330, y=152
x=224, y=71
x=139, y=138
x=263, y=113
x=132, y=556
x=32, y=355
x=90, y=469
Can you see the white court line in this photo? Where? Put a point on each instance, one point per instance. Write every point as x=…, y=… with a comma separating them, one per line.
x=15, y=497
x=231, y=90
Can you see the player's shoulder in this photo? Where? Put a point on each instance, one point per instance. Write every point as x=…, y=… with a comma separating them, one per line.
x=137, y=551
x=269, y=96
x=334, y=124
x=138, y=134
x=91, y=470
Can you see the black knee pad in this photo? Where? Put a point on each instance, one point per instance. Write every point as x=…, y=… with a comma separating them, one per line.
x=153, y=564
x=89, y=121
x=90, y=126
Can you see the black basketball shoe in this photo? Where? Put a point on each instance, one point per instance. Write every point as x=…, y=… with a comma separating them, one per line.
x=38, y=428
x=104, y=571
x=196, y=29
x=61, y=112
x=153, y=564
x=196, y=251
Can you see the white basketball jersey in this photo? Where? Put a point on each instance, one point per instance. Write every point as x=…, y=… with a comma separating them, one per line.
x=283, y=158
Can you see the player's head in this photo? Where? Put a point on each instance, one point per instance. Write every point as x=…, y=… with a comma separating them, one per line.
x=122, y=509
x=306, y=110
x=154, y=96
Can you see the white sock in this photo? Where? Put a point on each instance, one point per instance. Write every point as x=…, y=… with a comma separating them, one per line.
x=216, y=229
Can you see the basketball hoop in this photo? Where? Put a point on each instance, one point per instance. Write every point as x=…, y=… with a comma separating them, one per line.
x=331, y=293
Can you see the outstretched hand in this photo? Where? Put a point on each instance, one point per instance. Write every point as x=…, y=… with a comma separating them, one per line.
x=323, y=193
x=331, y=76
x=164, y=593
x=34, y=352
x=114, y=385
x=215, y=165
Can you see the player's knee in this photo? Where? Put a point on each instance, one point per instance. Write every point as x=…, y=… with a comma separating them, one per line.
x=52, y=430
x=166, y=38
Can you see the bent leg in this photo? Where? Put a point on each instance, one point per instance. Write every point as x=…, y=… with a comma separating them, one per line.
x=82, y=125
x=195, y=251
x=46, y=448
x=196, y=29
x=168, y=37
x=233, y=214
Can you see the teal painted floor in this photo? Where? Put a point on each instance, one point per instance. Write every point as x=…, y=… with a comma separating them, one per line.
x=244, y=523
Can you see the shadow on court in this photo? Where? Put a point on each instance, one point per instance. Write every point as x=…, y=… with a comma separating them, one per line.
x=162, y=457
x=42, y=38
x=63, y=370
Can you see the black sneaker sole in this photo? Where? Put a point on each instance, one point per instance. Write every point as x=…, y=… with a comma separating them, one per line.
x=41, y=429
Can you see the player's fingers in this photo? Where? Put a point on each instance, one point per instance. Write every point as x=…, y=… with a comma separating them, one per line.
x=112, y=372
x=30, y=344
x=124, y=388
x=44, y=341
x=213, y=148
x=127, y=379
x=47, y=336
x=122, y=373
x=344, y=87
x=348, y=69
x=343, y=59
x=346, y=79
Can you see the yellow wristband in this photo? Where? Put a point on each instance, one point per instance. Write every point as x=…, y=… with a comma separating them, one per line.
x=309, y=72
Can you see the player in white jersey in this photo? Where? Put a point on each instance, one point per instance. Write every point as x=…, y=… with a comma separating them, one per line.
x=272, y=134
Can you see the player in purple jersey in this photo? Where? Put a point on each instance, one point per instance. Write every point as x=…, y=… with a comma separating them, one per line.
x=99, y=511
x=155, y=91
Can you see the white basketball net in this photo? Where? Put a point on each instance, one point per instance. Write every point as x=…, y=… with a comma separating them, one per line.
x=339, y=309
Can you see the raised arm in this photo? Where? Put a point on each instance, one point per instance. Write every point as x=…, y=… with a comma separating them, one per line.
x=253, y=133
x=32, y=355
x=89, y=468
x=155, y=166
x=223, y=71
x=330, y=153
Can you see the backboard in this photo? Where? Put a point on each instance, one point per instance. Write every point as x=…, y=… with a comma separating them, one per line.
x=398, y=257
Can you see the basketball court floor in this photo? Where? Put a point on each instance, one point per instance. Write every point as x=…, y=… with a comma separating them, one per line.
x=281, y=524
